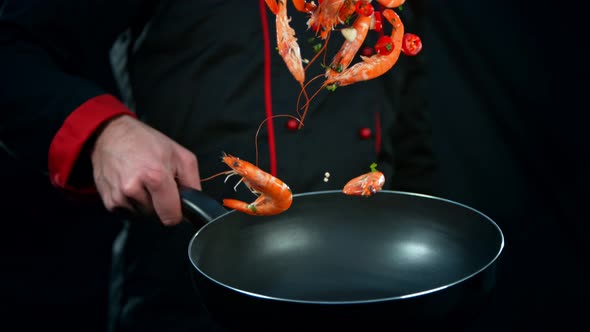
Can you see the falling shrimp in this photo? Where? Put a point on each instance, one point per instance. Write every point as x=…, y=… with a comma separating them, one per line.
x=286, y=40
x=349, y=48
x=377, y=64
x=274, y=196
x=326, y=17
x=366, y=184
x=370, y=67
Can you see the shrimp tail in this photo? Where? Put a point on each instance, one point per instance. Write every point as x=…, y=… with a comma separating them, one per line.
x=247, y=208
x=262, y=206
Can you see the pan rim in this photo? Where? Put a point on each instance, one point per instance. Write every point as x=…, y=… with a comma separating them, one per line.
x=368, y=301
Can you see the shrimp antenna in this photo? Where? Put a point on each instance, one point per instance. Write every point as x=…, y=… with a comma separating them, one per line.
x=260, y=126
x=228, y=172
x=218, y=174
x=304, y=92
x=307, y=99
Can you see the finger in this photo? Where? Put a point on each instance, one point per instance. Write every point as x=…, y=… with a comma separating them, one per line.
x=165, y=197
x=111, y=198
x=137, y=195
x=187, y=171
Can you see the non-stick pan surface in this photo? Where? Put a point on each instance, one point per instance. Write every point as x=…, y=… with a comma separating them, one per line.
x=332, y=255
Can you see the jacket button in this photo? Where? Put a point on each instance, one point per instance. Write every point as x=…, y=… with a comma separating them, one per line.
x=292, y=125
x=365, y=133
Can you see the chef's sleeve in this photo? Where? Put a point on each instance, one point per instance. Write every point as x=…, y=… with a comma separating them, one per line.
x=56, y=80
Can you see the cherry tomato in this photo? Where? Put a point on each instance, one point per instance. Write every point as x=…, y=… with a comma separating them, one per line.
x=411, y=44
x=384, y=45
x=364, y=8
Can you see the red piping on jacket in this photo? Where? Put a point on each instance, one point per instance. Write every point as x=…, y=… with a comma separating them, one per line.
x=267, y=90
x=377, y=133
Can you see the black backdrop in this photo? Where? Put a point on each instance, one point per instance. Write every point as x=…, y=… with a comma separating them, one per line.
x=507, y=105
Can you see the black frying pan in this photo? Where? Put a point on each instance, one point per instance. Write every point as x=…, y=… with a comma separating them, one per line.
x=395, y=260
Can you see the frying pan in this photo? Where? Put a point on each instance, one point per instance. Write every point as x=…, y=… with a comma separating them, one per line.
x=332, y=261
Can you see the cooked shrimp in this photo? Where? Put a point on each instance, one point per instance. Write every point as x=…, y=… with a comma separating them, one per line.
x=349, y=48
x=274, y=196
x=346, y=10
x=304, y=6
x=326, y=17
x=286, y=41
x=365, y=184
x=377, y=64
x=391, y=3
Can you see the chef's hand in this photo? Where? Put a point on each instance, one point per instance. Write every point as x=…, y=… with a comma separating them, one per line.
x=138, y=168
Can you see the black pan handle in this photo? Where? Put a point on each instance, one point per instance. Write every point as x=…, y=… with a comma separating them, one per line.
x=199, y=208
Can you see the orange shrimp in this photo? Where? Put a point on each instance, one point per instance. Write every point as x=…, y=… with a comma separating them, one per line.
x=365, y=184
x=326, y=16
x=391, y=3
x=348, y=50
x=274, y=196
x=304, y=6
x=377, y=64
x=286, y=41
x=346, y=10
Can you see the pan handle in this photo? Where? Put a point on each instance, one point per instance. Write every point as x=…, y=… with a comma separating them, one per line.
x=199, y=208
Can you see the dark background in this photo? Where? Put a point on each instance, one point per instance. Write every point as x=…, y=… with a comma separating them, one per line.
x=508, y=110
x=507, y=94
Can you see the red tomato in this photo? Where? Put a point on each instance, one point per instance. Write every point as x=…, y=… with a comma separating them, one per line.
x=411, y=44
x=364, y=8
x=384, y=45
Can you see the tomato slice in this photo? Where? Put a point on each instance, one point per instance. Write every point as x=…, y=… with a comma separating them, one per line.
x=411, y=44
x=364, y=8
x=377, y=22
x=384, y=45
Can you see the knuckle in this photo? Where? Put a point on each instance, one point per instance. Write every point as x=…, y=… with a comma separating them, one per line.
x=131, y=188
x=154, y=178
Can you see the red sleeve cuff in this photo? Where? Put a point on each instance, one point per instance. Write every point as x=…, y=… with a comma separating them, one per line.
x=76, y=130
